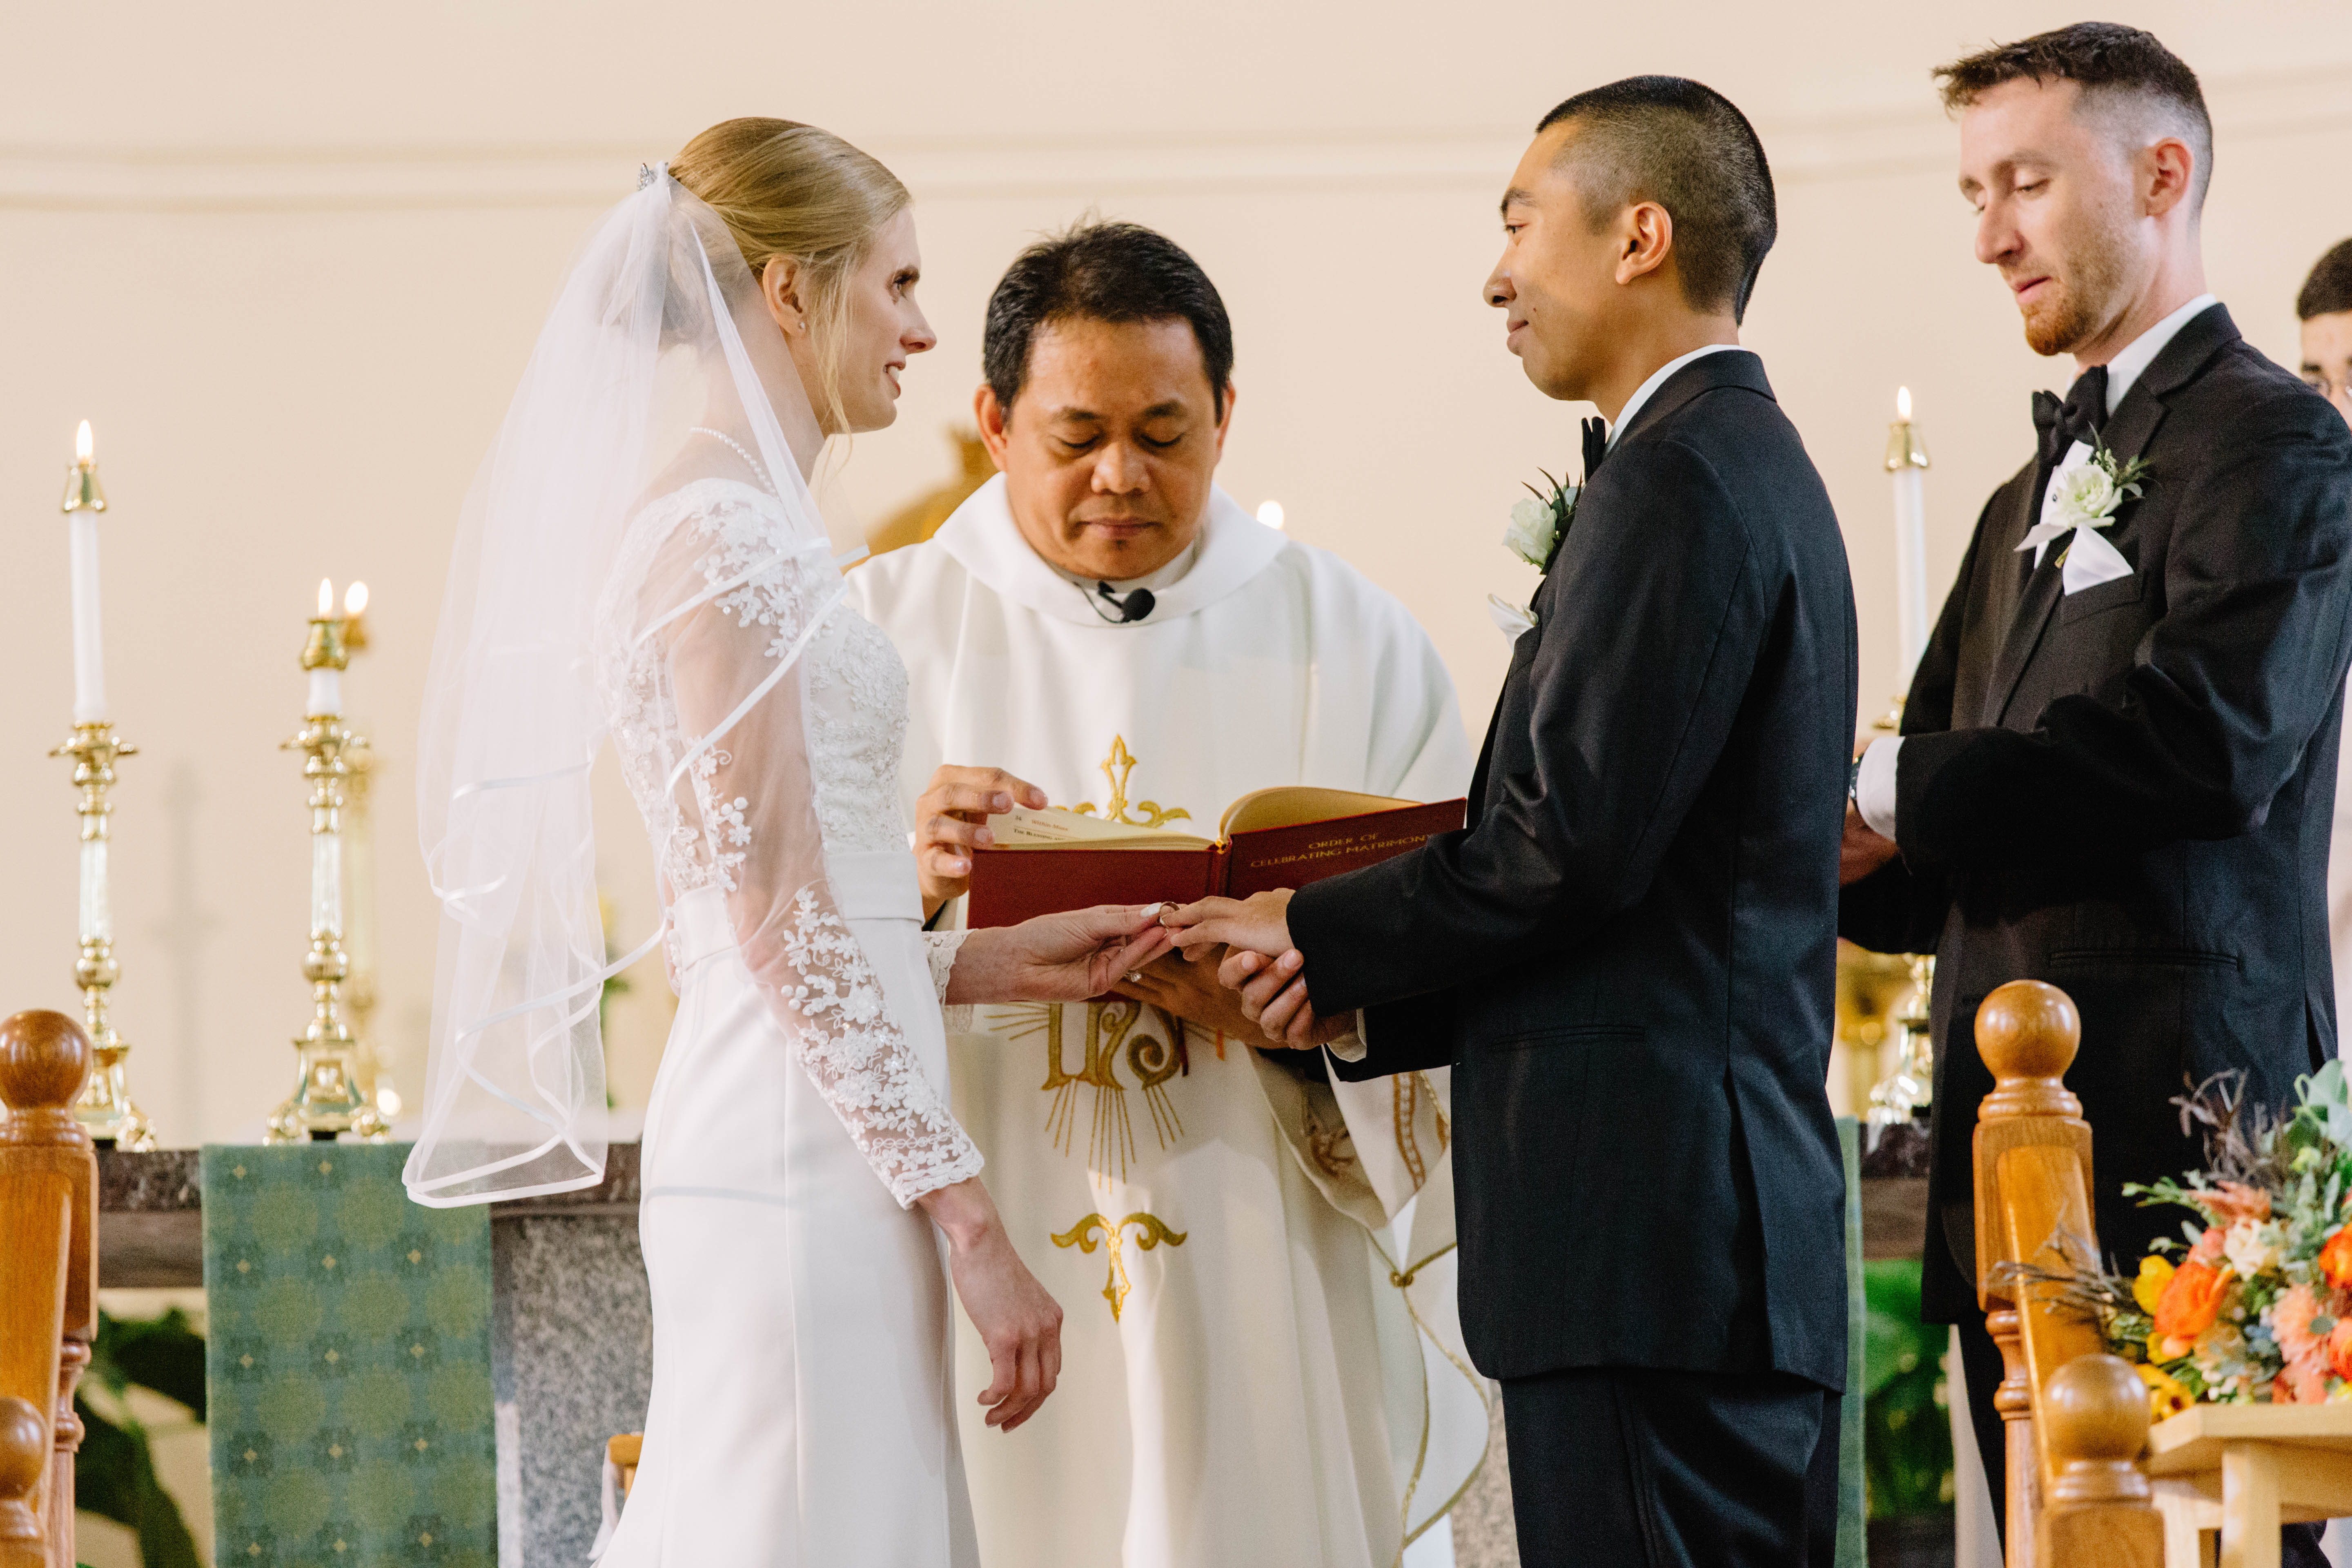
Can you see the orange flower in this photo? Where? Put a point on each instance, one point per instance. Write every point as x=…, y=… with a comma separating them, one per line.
x=2207, y=1249
x=2191, y=1302
x=2336, y=1259
x=2340, y=1348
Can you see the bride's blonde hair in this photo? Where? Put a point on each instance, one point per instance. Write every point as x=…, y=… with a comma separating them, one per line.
x=788, y=189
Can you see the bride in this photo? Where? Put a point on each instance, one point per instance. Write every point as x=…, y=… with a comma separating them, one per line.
x=640, y=558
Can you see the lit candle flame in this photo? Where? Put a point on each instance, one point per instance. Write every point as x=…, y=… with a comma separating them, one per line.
x=356, y=600
x=1903, y=404
x=84, y=447
x=1270, y=514
x=326, y=598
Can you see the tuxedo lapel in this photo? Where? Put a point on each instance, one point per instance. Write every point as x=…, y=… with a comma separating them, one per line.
x=2126, y=435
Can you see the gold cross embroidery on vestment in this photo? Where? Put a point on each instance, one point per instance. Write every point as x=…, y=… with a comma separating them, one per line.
x=1151, y=1231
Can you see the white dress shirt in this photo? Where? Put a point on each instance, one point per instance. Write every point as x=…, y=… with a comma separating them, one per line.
x=1874, y=788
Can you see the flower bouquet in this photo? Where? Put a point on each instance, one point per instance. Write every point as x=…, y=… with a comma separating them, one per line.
x=2253, y=1303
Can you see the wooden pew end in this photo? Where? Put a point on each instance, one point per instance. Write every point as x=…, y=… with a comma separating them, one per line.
x=24, y=1439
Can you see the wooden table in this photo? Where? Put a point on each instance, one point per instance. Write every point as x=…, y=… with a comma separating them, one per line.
x=2243, y=1470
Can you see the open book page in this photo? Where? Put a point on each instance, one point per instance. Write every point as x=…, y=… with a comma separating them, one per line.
x=1058, y=826
x=1289, y=805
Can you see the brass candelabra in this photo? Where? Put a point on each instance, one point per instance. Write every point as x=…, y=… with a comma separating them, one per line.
x=329, y=1097
x=105, y=1110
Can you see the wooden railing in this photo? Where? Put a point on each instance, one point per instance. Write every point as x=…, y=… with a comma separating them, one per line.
x=2074, y=1417
x=49, y=1282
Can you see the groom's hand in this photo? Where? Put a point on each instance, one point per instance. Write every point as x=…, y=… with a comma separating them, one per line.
x=1259, y=923
x=1274, y=993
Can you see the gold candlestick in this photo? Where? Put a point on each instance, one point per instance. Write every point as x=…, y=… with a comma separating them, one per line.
x=327, y=1098
x=360, y=991
x=105, y=1110
x=1908, y=1090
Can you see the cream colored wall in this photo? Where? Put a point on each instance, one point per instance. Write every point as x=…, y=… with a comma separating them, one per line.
x=290, y=260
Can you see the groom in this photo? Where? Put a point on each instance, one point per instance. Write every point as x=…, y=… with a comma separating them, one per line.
x=1628, y=957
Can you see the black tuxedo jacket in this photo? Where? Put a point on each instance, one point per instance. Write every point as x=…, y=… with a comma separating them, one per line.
x=2127, y=790
x=1628, y=957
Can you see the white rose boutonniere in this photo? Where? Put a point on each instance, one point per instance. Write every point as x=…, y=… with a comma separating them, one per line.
x=1540, y=522
x=2087, y=496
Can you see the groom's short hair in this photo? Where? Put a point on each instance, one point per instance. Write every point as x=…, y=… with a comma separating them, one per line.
x=1104, y=272
x=2124, y=73
x=1674, y=142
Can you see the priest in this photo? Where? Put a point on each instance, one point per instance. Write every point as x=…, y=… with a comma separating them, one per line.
x=1262, y=1364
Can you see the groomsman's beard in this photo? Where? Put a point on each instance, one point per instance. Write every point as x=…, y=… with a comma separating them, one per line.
x=2080, y=301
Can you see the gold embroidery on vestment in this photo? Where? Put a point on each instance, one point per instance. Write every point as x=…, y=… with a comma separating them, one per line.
x=1116, y=767
x=1151, y=1231
x=1406, y=1088
x=1153, y=1059
x=1332, y=1149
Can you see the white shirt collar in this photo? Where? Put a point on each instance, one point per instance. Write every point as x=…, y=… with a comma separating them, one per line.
x=2140, y=352
x=1657, y=379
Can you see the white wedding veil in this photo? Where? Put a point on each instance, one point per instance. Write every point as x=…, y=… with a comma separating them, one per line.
x=659, y=373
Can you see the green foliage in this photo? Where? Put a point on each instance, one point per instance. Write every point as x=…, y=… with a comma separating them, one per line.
x=114, y=1476
x=1907, y=1425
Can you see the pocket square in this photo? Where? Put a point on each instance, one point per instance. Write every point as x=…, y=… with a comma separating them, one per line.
x=2091, y=561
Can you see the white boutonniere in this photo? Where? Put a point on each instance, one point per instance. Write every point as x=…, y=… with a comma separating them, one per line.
x=2086, y=496
x=1540, y=522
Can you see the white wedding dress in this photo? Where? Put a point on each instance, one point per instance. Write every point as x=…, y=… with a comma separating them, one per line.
x=801, y=1395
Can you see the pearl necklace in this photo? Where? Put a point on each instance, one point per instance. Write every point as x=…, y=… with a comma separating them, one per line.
x=722, y=435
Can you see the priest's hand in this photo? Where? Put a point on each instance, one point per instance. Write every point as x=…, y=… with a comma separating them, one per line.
x=1862, y=850
x=1057, y=958
x=1259, y=923
x=951, y=821
x=1273, y=994
x=1190, y=992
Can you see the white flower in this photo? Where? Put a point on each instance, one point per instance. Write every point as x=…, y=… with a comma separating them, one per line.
x=2251, y=1246
x=1513, y=621
x=2086, y=495
x=1532, y=533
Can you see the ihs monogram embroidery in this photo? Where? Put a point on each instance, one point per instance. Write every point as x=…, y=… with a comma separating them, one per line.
x=1153, y=1060
x=1150, y=1232
x=1116, y=767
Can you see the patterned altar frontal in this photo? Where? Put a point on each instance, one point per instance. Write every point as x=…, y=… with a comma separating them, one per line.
x=348, y=1363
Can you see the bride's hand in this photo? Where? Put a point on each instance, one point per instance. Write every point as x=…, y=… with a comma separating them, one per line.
x=1057, y=958
x=1019, y=1322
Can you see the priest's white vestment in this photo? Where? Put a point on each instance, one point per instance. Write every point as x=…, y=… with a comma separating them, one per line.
x=1258, y=1372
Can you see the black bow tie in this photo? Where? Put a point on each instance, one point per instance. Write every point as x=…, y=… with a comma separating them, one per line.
x=2080, y=418
x=1596, y=445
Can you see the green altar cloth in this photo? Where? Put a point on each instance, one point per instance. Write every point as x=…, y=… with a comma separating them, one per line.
x=348, y=1365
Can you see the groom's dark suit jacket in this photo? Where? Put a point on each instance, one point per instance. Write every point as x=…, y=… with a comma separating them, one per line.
x=1628, y=957
x=2127, y=790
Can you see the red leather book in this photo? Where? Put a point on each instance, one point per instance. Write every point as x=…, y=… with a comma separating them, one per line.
x=1052, y=860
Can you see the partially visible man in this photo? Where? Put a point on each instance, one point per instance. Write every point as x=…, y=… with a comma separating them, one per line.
x=2118, y=765
x=1107, y=622
x=2324, y=306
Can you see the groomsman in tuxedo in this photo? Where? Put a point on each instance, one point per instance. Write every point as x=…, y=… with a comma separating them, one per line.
x=1628, y=957
x=2118, y=762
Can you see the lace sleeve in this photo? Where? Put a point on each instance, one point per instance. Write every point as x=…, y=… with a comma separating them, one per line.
x=717, y=743
x=942, y=947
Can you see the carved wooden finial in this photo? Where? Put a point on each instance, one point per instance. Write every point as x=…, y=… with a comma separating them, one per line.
x=24, y=1439
x=2028, y=1032
x=2096, y=1410
x=43, y=1062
